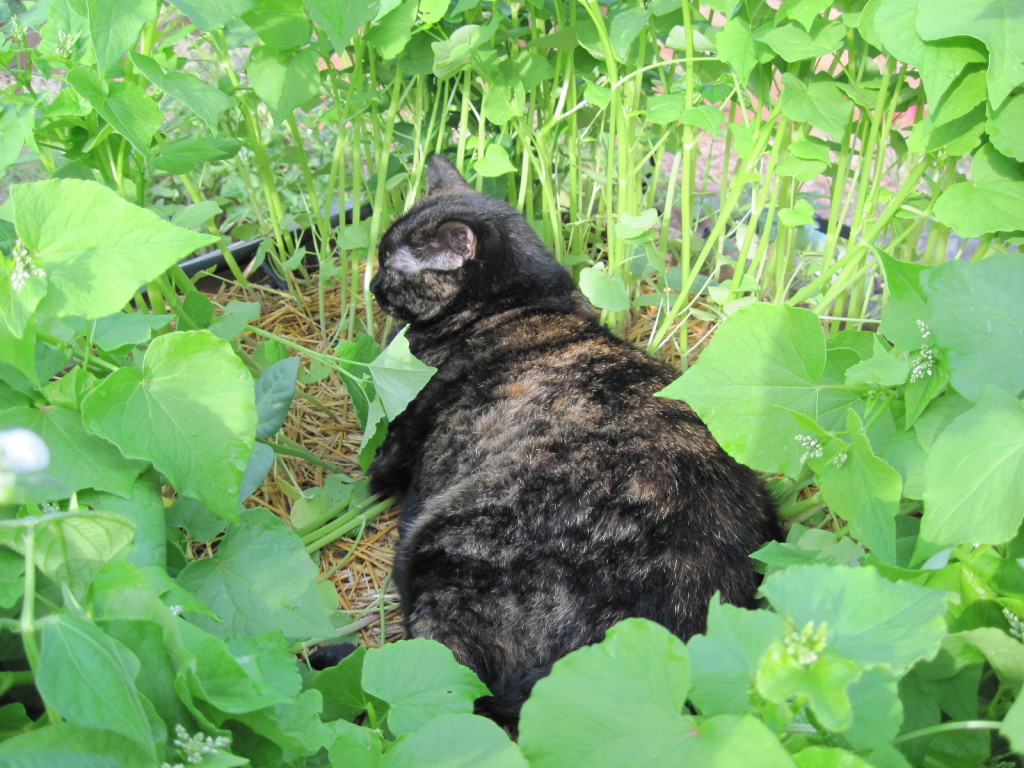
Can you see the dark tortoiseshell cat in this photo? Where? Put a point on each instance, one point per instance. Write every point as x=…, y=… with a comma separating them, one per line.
x=547, y=492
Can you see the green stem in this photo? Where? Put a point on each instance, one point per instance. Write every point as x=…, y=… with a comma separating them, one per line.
x=958, y=725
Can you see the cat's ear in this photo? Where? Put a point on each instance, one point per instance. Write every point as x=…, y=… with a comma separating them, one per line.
x=442, y=176
x=455, y=244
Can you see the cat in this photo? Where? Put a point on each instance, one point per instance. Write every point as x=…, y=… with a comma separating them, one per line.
x=546, y=492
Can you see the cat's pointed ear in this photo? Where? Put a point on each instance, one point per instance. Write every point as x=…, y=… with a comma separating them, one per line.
x=456, y=244
x=442, y=176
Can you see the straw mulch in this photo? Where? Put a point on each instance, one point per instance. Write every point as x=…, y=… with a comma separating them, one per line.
x=322, y=420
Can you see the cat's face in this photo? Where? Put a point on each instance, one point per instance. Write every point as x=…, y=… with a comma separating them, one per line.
x=423, y=258
x=457, y=249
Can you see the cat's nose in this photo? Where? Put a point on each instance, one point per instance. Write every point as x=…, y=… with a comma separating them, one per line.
x=377, y=283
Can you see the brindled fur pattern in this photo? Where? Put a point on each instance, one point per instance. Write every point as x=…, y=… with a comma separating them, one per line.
x=547, y=492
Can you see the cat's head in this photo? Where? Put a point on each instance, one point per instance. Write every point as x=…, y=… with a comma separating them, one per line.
x=457, y=249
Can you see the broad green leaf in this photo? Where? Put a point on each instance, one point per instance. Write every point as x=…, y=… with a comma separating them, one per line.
x=1005, y=127
x=127, y=328
x=398, y=375
x=966, y=93
x=70, y=547
x=800, y=215
x=212, y=16
x=764, y=360
x=707, y=117
x=183, y=155
x=624, y=27
x=737, y=48
x=502, y=102
x=340, y=19
x=973, y=302
x=662, y=109
x=206, y=101
x=341, y=687
x=495, y=162
x=127, y=107
x=145, y=508
x=1012, y=728
x=18, y=305
x=68, y=744
x=455, y=741
x=972, y=209
x=881, y=368
x=280, y=24
x=284, y=80
x=892, y=26
x=84, y=676
x=12, y=571
x=295, y=725
x=870, y=621
x=274, y=392
x=261, y=579
x=793, y=43
x=420, y=679
x=906, y=310
x=996, y=23
x=818, y=101
x=96, y=248
x=821, y=676
x=189, y=410
x=877, y=710
x=196, y=518
x=114, y=27
x=390, y=33
x=726, y=657
x=604, y=289
x=232, y=685
x=803, y=12
x=630, y=227
x=233, y=320
x=974, y=475
x=622, y=700
x=77, y=459
x=355, y=746
x=432, y=11
x=865, y=491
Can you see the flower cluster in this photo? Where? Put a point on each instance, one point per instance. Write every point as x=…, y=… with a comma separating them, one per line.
x=812, y=448
x=23, y=267
x=922, y=364
x=66, y=44
x=1016, y=624
x=195, y=748
x=805, y=645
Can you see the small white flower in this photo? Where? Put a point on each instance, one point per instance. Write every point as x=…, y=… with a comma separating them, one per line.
x=1016, y=624
x=805, y=645
x=24, y=268
x=922, y=364
x=812, y=448
x=22, y=450
x=926, y=332
x=66, y=44
x=839, y=459
x=176, y=610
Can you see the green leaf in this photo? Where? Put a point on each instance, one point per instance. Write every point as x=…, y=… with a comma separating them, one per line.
x=390, y=34
x=68, y=744
x=662, y=109
x=341, y=687
x=77, y=459
x=892, y=26
x=213, y=16
x=870, y=621
x=746, y=406
x=184, y=155
x=804, y=12
x=96, y=248
x=495, y=162
x=340, y=19
x=284, y=80
x=398, y=375
x=793, y=43
x=726, y=657
x=1004, y=127
x=71, y=547
x=630, y=227
x=455, y=741
x=829, y=757
x=823, y=679
x=127, y=328
x=707, y=117
x=87, y=678
x=260, y=579
x=236, y=316
x=1012, y=728
x=622, y=701
x=114, y=27
x=189, y=410
x=206, y=101
x=420, y=679
x=737, y=48
x=972, y=209
x=995, y=22
x=355, y=747
x=800, y=215
x=906, y=308
x=280, y=24
x=126, y=106
x=877, y=710
x=145, y=508
x=818, y=101
x=973, y=302
x=624, y=27
x=974, y=475
x=604, y=289
x=274, y=392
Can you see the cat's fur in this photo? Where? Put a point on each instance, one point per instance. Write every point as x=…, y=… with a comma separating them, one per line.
x=547, y=492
